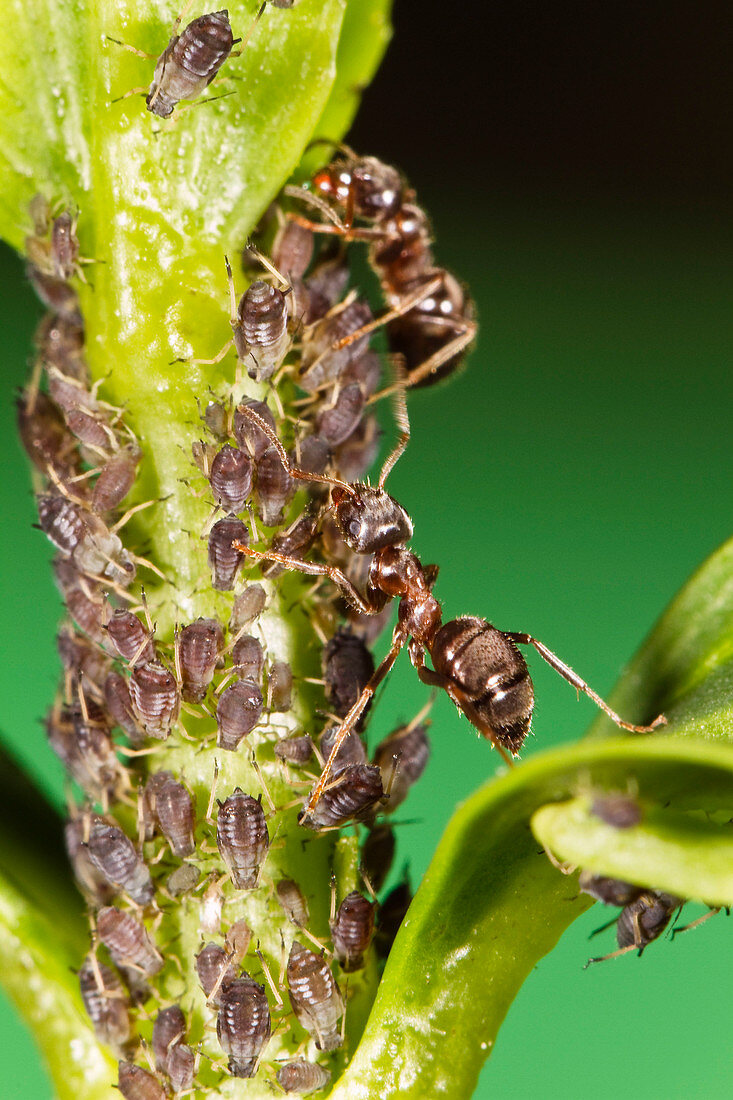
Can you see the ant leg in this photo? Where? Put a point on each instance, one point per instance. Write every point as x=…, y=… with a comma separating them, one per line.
x=398, y=641
x=696, y=923
x=572, y=678
x=314, y=569
x=613, y=955
x=435, y=361
x=404, y=307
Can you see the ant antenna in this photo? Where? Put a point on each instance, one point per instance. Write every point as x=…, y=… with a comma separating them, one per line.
x=341, y=146
x=399, y=405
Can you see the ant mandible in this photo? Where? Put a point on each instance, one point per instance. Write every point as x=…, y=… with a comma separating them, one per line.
x=478, y=665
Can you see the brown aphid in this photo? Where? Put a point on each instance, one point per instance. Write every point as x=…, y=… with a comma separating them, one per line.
x=338, y=421
x=351, y=750
x=115, y=857
x=182, y=880
x=402, y=758
x=181, y=1067
x=243, y=1025
x=216, y=419
x=302, y=1077
x=294, y=543
x=261, y=337
x=242, y=838
x=190, y=62
x=280, y=686
x=292, y=249
x=203, y=454
x=70, y=393
x=294, y=750
x=85, y=610
x=225, y=562
x=64, y=246
x=617, y=809
x=390, y=916
x=136, y=1083
x=169, y=1028
x=60, y=343
x=155, y=698
x=293, y=902
x=80, y=658
x=248, y=436
x=237, y=713
x=86, y=750
x=315, y=996
x=610, y=891
x=215, y=971
x=644, y=919
x=105, y=1002
x=63, y=522
x=248, y=658
x=56, y=294
x=248, y=605
x=355, y=457
x=327, y=282
x=377, y=855
x=173, y=808
x=199, y=647
x=130, y=638
x=350, y=795
x=238, y=939
x=119, y=706
x=127, y=941
x=44, y=435
x=313, y=453
x=347, y=668
x=231, y=478
x=116, y=479
x=92, y=884
x=367, y=371
x=352, y=931
x=274, y=488
x=321, y=362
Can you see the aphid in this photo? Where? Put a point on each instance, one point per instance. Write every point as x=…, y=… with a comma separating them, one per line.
x=44, y=435
x=155, y=698
x=136, y=1083
x=351, y=750
x=215, y=971
x=169, y=1028
x=617, y=809
x=225, y=562
x=390, y=916
x=248, y=658
x=642, y=921
x=216, y=419
x=479, y=666
x=293, y=902
x=199, y=647
x=294, y=750
x=279, y=686
x=355, y=457
x=127, y=940
x=274, y=488
x=130, y=638
x=115, y=857
x=60, y=342
x=181, y=1067
x=190, y=62
x=248, y=605
x=292, y=249
x=242, y=838
x=173, y=809
x=238, y=939
x=349, y=795
x=81, y=659
x=243, y=1025
x=119, y=706
x=338, y=421
x=294, y=543
x=182, y=880
x=302, y=1077
x=315, y=996
x=352, y=930
x=231, y=478
x=248, y=436
x=85, y=610
x=264, y=340
x=64, y=246
x=377, y=854
x=347, y=668
x=237, y=713
x=610, y=891
x=313, y=454
x=322, y=360
x=203, y=455
x=92, y=884
x=105, y=1002
x=116, y=479
x=101, y=554
x=56, y=294
x=86, y=750
x=61, y=521
x=402, y=758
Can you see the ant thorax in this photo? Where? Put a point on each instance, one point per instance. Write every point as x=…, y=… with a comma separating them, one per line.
x=370, y=519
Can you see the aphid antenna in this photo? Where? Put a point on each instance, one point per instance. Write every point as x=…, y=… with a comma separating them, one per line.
x=258, y=772
x=560, y=865
x=212, y=792
x=268, y=976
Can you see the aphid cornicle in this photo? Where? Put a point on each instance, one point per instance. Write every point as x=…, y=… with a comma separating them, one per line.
x=105, y=1002
x=115, y=857
x=199, y=646
x=127, y=940
x=315, y=996
x=302, y=1077
x=352, y=930
x=190, y=62
x=242, y=838
x=243, y=1025
x=215, y=971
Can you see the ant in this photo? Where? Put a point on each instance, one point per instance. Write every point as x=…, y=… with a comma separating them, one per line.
x=430, y=315
x=478, y=665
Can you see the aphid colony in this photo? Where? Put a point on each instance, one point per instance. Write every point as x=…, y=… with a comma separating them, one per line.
x=143, y=836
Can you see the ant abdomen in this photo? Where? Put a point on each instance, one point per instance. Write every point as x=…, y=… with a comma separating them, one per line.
x=488, y=676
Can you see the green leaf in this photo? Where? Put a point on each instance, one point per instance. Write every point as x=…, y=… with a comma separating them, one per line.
x=491, y=904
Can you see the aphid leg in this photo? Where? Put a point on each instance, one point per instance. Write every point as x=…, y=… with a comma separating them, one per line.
x=212, y=792
x=408, y=302
x=398, y=641
x=209, y=362
x=258, y=772
x=696, y=923
x=137, y=52
x=313, y=569
x=268, y=977
x=572, y=678
x=561, y=865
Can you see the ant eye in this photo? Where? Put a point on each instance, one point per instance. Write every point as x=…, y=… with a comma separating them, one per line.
x=354, y=528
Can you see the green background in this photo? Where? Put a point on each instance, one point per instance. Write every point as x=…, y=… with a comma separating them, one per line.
x=567, y=483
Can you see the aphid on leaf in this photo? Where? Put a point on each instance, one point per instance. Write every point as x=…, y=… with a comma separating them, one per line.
x=352, y=929
x=302, y=1077
x=315, y=996
x=127, y=940
x=105, y=1002
x=115, y=857
x=243, y=1025
x=242, y=838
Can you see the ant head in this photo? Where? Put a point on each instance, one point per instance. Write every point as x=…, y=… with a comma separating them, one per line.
x=369, y=518
x=375, y=189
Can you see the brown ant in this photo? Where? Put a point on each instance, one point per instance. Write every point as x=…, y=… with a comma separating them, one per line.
x=430, y=315
x=478, y=665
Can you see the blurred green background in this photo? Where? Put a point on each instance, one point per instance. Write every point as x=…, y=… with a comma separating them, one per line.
x=567, y=483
